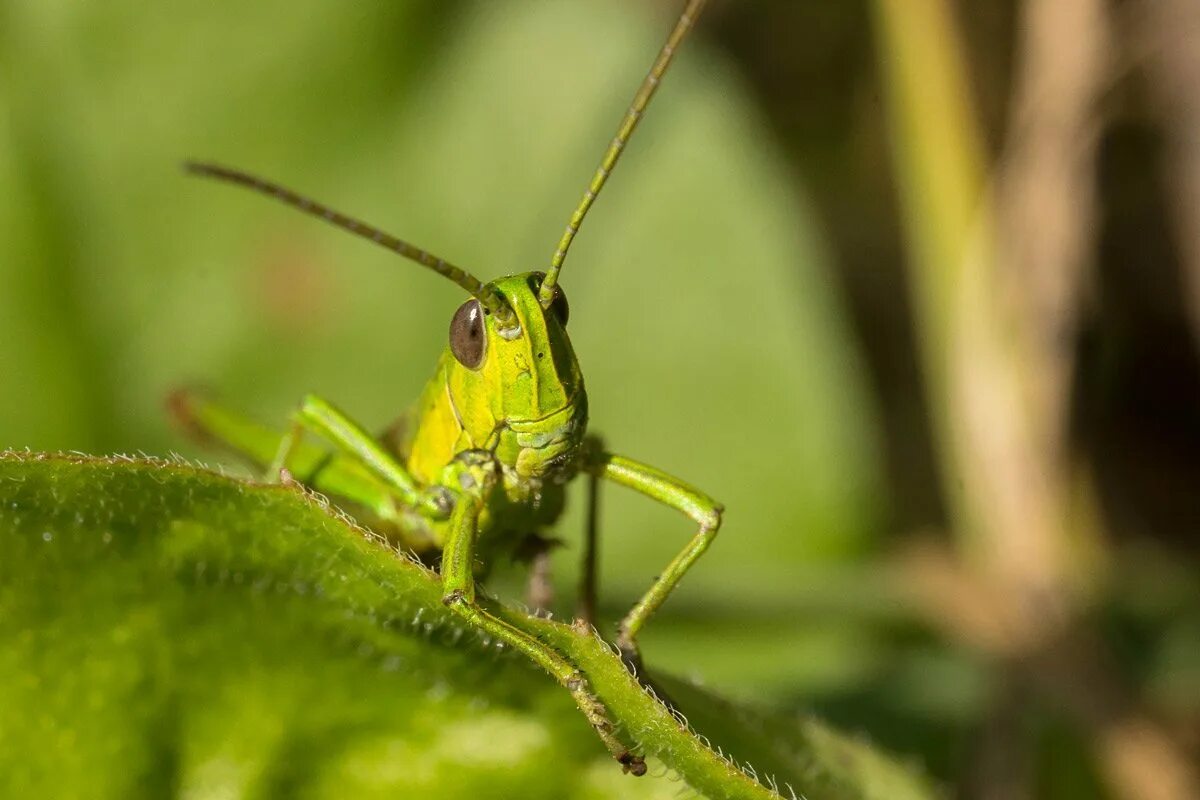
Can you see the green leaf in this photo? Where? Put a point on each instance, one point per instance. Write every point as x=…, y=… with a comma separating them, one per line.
x=170, y=631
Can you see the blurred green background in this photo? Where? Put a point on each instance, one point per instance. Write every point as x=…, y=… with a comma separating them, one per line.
x=773, y=298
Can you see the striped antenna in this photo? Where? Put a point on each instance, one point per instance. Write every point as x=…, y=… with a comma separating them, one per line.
x=632, y=117
x=490, y=299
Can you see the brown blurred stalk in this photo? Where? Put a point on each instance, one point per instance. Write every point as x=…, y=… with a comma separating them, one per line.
x=1170, y=39
x=995, y=273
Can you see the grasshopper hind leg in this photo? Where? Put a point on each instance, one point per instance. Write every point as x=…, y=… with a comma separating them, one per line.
x=279, y=464
x=338, y=473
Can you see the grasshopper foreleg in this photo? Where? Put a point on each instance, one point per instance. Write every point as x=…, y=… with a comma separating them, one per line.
x=458, y=582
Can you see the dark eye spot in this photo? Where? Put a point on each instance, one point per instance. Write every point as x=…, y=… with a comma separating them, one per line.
x=467, y=337
x=541, y=355
x=560, y=308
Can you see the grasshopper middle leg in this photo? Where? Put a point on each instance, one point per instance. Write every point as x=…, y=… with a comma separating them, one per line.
x=667, y=489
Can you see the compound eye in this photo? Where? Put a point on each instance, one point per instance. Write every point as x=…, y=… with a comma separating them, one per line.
x=467, y=337
x=560, y=308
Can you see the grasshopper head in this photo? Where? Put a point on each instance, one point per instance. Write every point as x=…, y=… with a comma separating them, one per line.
x=518, y=378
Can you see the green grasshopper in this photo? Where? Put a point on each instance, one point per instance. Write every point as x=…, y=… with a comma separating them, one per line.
x=479, y=463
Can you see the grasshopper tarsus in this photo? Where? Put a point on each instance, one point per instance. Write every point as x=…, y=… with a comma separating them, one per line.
x=631, y=764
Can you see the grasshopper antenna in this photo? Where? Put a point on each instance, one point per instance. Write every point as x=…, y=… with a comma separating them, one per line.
x=490, y=299
x=632, y=117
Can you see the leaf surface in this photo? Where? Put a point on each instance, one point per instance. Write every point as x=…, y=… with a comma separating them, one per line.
x=170, y=631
